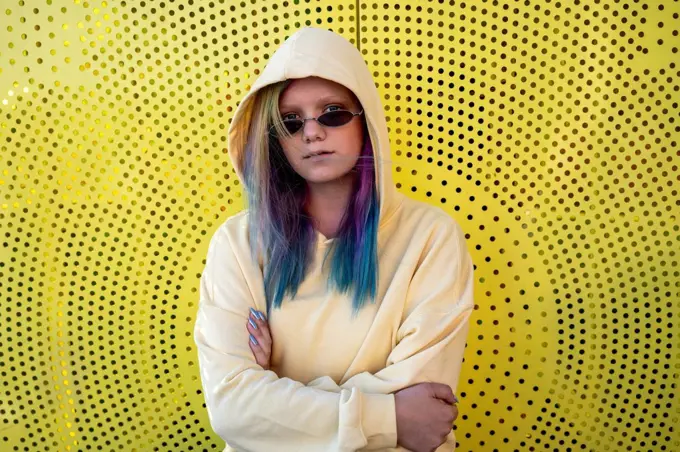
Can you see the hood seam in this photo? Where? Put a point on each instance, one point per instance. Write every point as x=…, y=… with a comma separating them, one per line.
x=291, y=52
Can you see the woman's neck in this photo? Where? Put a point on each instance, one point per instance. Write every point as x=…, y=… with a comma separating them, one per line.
x=327, y=203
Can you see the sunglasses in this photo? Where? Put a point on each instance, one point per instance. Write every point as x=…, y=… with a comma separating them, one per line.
x=335, y=118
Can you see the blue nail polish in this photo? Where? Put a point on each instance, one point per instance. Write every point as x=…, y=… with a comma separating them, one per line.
x=253, y=311
x=261, y=316
x=252, y=323
x=253, y=340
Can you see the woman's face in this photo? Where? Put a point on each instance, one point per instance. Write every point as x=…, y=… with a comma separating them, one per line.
x=309, y=98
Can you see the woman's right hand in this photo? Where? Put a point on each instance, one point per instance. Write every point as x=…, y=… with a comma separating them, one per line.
x=260, y=338
x=425, y=415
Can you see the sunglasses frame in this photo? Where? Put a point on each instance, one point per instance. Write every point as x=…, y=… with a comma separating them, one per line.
x=272, y=130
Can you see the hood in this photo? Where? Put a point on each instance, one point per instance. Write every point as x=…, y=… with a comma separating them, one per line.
x=322, y=53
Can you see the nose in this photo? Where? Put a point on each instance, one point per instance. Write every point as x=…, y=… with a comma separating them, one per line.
x=312, y=130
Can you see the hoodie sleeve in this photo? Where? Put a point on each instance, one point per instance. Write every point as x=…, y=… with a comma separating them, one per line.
x=252, y=408
x=431, y=339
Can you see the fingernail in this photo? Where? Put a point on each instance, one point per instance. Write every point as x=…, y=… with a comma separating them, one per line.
x=253, y=340
x=253, y=311
x=455, y=398
x=252, y=323
x=261, y=316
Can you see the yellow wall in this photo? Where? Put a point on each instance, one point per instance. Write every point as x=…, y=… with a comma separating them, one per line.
x=548, y=129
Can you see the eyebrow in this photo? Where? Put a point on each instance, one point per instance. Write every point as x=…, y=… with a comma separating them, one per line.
x=324, y=100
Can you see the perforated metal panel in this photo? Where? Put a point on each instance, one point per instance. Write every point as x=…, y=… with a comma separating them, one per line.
x=549, y=130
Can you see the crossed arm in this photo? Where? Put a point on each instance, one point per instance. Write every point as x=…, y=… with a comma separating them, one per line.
x=253, y=409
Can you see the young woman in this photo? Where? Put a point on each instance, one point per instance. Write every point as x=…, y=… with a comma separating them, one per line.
x=334, y=310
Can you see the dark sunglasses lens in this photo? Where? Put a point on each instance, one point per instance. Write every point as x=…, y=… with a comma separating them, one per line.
x=336, y=118
x=292, y=125
x=330, y=119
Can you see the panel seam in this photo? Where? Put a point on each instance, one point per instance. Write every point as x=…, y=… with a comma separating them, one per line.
x=358, y=25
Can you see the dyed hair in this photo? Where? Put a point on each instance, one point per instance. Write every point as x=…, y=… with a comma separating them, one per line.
x=284, y=232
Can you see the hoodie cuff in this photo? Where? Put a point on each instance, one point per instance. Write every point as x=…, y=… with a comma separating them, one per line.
x=379, y=424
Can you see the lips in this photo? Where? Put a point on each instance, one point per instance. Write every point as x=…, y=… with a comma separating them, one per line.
x=318, y=153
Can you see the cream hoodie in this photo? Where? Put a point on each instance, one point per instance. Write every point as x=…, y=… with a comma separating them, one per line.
x=333, y=377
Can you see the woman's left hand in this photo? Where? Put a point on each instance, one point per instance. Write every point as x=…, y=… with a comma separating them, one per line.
x=260, y=338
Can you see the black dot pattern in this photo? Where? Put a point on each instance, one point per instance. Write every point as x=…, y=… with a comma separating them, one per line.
x=548, y=130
